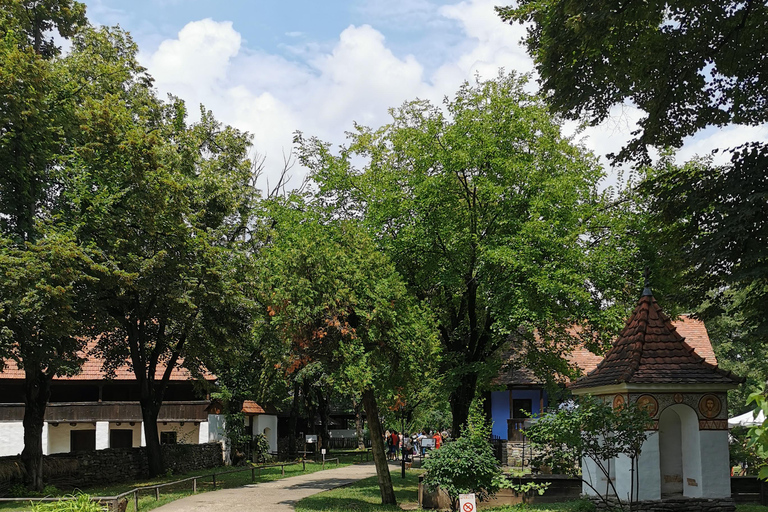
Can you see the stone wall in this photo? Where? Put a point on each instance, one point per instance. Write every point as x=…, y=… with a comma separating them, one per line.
x=83, y=469
x=516, y=454
x=677, y=505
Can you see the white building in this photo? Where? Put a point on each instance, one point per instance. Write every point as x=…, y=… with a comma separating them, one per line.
x=90, y=412
x=685, y=457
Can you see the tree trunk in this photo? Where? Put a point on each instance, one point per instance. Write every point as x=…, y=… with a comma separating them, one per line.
x=460, y=400
x=149, y=413
x=377, y=446
x=359, y=424
x=293, y=421
x=37, y=390
x=325, y=418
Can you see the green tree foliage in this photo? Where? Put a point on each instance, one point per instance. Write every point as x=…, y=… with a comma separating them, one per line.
x=713, y=220
x=591, y=429
x=493, y=218
x=164, y=207
x=758, y=434
x=44, y=300
x=336, y=301
x=688, y=67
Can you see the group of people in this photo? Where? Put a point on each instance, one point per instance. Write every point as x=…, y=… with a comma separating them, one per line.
x=401, y=444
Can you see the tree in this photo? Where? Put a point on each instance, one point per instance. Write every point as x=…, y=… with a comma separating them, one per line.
x=688, y=67
x=711, y=227
x=164, y=207
x=493, y=218
x=591, y=429
x=337, y=302
x=43, y=309
x=43, y=272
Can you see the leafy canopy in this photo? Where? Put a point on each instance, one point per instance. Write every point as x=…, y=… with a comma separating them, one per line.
x=687, y=65
x=492, y=217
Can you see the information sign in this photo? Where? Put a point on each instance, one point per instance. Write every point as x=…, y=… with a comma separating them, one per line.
x=311, y=439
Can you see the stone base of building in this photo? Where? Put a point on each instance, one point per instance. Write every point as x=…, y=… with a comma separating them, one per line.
x=671, y=505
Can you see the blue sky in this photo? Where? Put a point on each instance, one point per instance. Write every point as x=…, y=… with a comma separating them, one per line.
x=272, y=68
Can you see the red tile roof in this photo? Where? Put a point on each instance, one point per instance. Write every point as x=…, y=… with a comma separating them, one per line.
x=251, y=407
x=693, y=330
x=650, y=350
x=92, y=369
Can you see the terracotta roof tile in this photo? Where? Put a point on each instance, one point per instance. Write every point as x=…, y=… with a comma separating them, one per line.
x=653, y=350
x=251, y=407
x=92, y=369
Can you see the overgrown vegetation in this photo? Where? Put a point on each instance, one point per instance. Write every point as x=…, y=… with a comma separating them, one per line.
x=466, y=465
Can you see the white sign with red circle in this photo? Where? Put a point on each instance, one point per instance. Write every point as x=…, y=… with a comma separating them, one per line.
x=467, y=503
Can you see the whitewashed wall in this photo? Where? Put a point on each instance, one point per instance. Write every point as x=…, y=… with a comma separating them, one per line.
x=266, y=424
x=217, y=434
x=11, y=438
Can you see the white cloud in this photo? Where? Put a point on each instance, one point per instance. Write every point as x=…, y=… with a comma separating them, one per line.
x=199, y=57
x=322, y=87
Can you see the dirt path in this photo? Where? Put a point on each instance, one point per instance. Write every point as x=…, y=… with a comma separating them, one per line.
x=275, y=496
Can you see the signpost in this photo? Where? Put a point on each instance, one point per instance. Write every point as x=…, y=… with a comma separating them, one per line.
x=467, y=503
x=309, y=439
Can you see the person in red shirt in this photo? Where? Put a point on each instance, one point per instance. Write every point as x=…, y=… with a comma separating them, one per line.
x=438, y=440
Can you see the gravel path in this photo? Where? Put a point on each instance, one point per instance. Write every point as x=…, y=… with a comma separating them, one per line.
x=275, y=496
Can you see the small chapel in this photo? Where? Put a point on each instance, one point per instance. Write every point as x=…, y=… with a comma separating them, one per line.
x=684, y=462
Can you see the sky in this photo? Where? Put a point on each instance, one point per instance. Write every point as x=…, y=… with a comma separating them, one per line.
x=274, y=67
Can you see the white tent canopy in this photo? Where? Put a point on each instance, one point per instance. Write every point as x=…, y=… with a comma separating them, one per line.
x=747, y=419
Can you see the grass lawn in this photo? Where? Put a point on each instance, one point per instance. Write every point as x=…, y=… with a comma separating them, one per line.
x=147, y=499
x=363, y=496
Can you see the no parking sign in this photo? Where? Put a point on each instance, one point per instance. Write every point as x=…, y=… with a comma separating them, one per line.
x=467, y=503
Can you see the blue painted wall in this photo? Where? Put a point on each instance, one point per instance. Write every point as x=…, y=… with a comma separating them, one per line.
x=500, y=412
x=500, y=407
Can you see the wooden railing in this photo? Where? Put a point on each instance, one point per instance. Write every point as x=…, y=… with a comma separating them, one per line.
x=113, y=502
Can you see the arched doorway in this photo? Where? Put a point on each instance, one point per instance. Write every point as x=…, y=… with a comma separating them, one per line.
x=679, y=452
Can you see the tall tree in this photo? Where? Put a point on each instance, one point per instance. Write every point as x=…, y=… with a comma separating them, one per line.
x=164, y=207
x=492, y=217
x=688, y=67
x=44, y=304
x=338, y=303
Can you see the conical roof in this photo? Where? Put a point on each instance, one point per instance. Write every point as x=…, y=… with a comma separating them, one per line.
x=649, y=350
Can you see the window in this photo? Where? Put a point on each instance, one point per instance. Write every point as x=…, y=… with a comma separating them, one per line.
x=82, y=440
x=168, y=437
x=120, y=438
x=522, y=404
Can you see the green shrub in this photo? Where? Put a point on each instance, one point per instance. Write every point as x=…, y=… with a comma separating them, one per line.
x=466, y=465
x=79, y=503
x=261, y=448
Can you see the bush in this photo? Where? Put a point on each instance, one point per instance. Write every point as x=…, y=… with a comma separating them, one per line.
x=261, y=449
x=466, y=465
x=79, y=503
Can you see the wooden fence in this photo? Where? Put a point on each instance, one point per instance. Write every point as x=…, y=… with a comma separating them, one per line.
x=113, y=502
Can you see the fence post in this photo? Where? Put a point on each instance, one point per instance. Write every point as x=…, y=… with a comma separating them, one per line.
x=303, y=465
x=194, y=486
x=136, y=500
x=253, y=475
x=157, y=493
x=282, y=470
x=115, y=505
x=214, y=481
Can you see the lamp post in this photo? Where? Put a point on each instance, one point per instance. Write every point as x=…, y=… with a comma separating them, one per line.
x=402, y=439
